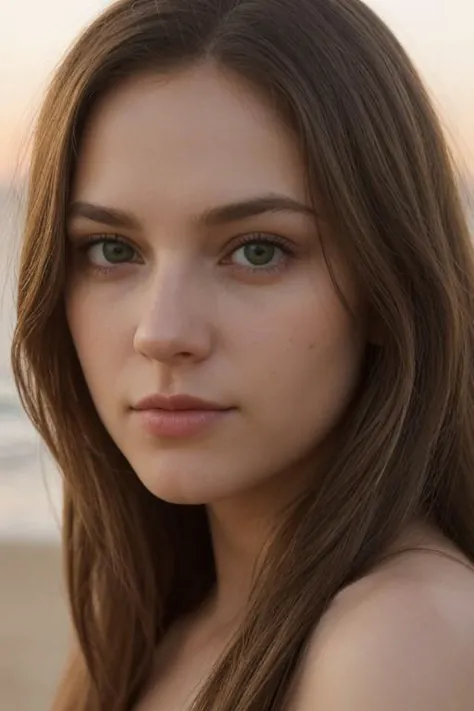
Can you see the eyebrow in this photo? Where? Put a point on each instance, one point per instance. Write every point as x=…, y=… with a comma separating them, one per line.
x=213, y=217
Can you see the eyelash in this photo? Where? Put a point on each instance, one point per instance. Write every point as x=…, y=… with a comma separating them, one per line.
x=255, y=238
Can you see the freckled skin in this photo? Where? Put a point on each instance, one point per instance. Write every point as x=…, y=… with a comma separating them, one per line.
x=187, y=317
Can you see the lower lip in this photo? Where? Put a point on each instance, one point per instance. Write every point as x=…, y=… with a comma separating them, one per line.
x=179, y=423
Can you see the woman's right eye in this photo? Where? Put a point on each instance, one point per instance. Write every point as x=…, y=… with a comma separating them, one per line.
x=104, y=252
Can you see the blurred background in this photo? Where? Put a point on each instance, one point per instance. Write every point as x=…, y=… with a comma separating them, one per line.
x=439, y=36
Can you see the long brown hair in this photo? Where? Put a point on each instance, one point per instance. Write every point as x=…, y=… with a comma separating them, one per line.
x=374, y=152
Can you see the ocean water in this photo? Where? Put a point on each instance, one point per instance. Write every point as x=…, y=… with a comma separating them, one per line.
x=30, y=491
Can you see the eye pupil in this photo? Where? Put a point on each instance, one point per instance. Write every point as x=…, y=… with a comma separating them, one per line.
x=116, y=252
x=259, y=252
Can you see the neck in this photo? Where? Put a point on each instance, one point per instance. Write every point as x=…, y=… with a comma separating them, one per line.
x=241, y=531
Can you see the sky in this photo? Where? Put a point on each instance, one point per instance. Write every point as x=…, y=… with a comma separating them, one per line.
x=34, y=34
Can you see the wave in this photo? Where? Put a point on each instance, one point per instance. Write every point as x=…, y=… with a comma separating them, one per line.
x=30, y=486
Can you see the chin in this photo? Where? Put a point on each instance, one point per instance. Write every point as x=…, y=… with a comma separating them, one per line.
x=190, y=477
x=179, y=489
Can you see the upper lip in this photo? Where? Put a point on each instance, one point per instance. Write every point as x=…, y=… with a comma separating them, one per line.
x=177, y=402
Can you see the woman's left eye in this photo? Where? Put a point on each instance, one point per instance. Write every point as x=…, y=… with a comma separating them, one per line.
x=260, y=251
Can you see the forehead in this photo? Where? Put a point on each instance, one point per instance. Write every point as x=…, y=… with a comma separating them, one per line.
x=193, y=137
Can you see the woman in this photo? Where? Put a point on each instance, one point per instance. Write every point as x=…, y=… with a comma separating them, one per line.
x=245, y=332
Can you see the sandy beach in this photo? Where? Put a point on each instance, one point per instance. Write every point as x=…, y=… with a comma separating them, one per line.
x=34, y=626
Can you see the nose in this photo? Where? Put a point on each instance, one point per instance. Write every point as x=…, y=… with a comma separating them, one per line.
x=174, y=321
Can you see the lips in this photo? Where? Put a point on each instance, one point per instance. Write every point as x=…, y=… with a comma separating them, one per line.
x=177, y=403
x=176, y=423
x=179, y=415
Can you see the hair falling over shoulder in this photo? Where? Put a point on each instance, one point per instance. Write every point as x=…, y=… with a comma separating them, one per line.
x=374, y=151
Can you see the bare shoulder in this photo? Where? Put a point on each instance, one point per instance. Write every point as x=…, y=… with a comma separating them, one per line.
x=401, y=639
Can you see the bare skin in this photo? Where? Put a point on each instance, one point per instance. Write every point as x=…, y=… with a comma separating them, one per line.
x=400, y=639
x=173, y=302
x=184, y=660
x=176, y=304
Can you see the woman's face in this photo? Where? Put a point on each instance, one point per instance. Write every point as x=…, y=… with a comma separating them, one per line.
x=230, y=304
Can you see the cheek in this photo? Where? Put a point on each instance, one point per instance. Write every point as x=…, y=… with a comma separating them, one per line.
x=97, y=333
x=310, y=370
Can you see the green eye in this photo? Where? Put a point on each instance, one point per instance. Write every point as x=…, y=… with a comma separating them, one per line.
x=261, y=252
x=258, y=253
x=105, y=252
x=116, y=252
